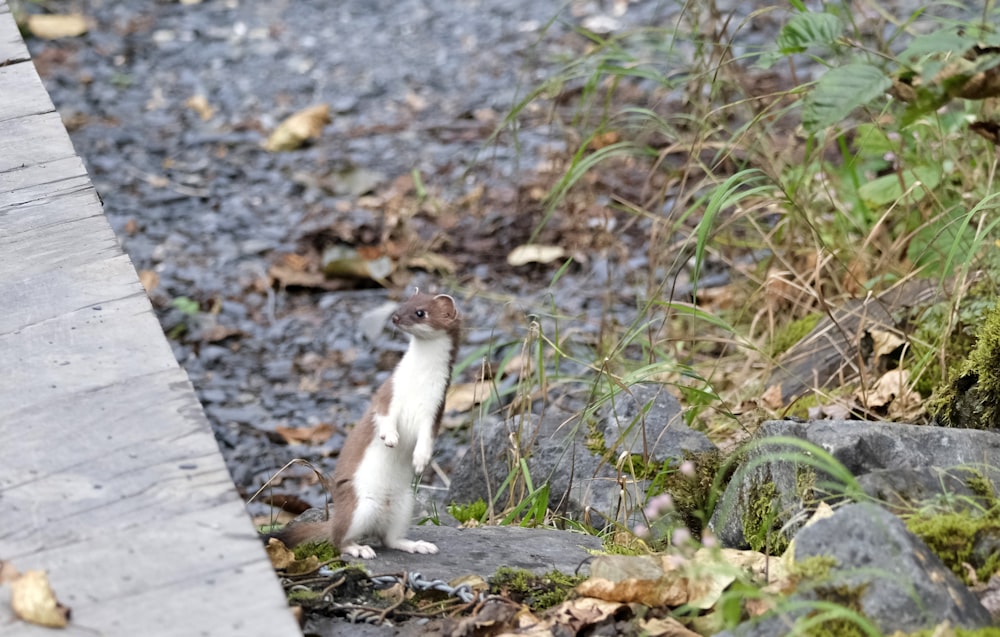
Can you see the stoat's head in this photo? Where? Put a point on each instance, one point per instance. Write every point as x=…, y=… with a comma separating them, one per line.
x=428, y=316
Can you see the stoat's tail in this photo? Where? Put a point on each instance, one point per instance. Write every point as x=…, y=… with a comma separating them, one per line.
x=296, y=533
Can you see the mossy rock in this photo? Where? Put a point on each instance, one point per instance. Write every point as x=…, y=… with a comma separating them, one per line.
x=972, y=399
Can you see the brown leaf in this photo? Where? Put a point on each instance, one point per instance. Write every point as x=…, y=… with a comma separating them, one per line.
x=55, y=26
x=32, y=599
x=149, y=280
x=892, y=392
x=315, y=435
x=626, y=579
x=296, y=130
x=665, y=627
x=281, y=556
x=772, y=397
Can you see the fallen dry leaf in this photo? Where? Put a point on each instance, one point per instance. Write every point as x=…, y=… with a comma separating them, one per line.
x=885, y=342
x=149, y=280
x=280, y=555
x=282, y=558
x=32, y=600
x=772, y=397
x=665, y=627
x=891, y=392
x=463, y=397
x=346, y=262
x=534, y=253
x=199, y=104
x=296, y=130
x=55, y=26
x=433, y=262
x=642, y=579
x=314, y=435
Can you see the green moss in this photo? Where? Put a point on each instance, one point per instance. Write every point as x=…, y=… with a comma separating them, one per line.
x=972, y=397
x=952, y=536
x=301, y=595
x=761, y=527
x=981, y=485
x=465, y=512
x=692, y=494
x=536, y=591
x=323, y=551
x=805, y=483
x=794, y=332
x=816, y=568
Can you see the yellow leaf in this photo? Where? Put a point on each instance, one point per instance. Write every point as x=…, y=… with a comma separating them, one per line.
x=32, y=599
x=464, y=396
x=296, y=130
x=535, y=253
x=55, y=26
x=199, y=104
x=315, y=435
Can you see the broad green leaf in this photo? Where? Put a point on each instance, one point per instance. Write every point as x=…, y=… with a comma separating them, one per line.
x=888, y=189
x=809, y=29
x=942, y=41
x=839, y=92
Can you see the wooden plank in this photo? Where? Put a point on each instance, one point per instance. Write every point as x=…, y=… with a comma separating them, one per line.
x=12, y=48
x=110, y=477
x=23, y=92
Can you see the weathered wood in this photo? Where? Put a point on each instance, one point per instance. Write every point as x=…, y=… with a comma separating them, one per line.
x=12, y=48
x=110, y=477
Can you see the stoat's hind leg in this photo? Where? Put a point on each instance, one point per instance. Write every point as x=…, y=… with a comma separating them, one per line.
x=394, y=534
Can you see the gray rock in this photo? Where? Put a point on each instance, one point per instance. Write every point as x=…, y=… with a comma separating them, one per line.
x=894, y=579
x=558, y=451
x=481, y=551
x=476, y=551
x=872, y=449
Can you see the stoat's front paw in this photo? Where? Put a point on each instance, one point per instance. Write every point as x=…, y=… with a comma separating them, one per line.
x=359, y=550
x=421, y=457
x=390, y=438
x=386, y=431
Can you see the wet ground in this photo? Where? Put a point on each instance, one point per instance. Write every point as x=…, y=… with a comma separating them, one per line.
x=169, y=104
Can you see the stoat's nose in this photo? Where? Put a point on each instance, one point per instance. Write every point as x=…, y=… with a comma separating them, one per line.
x=395, y=318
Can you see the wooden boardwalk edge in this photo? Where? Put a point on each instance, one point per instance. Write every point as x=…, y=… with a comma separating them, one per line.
x=110, y=477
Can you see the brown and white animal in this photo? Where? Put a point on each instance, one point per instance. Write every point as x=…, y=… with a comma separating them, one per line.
x=372, y=493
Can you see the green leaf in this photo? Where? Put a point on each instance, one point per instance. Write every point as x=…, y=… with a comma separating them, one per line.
x=942, y=41
x=839, y=92
x=809, y=29
x=888, y=189
x=186, y=305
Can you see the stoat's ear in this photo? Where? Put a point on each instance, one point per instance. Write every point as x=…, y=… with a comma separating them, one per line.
x=448, y=302
x=416, y=291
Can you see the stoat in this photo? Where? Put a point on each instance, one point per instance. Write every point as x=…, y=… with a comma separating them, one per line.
x=372, y=493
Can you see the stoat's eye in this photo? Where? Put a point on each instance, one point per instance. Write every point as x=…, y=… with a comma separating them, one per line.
x=420, y=313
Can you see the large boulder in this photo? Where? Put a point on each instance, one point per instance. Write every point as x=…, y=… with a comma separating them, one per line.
x=586, y=462
x=769, y=498
x=878, y=570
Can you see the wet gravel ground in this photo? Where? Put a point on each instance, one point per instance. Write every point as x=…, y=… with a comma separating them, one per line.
x=202, y=209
